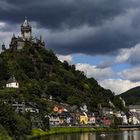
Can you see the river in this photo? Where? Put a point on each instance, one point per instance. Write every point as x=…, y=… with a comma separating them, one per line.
x=125, y=135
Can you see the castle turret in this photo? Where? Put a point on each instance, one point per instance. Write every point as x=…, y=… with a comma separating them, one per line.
x=3, y=47
x=26, y=30
x=42, y=43
x=13, y=37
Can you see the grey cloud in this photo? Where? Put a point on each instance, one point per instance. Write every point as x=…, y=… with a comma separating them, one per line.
x=65, y=18
x=104, y=64
x=69, y=13
x=118, y=86
x=132, y=74
x=130, y=55
x=109, y=37
x=5, y=6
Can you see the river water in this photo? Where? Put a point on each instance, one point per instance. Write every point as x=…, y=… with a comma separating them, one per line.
x=125, y=135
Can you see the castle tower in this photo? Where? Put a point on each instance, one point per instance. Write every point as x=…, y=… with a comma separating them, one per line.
x=26, y=30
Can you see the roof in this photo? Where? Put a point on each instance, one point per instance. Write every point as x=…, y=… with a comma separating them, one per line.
x=20, y=39
x=26, y=23
x=31, y=104
x=12, y=80
x=134, y=106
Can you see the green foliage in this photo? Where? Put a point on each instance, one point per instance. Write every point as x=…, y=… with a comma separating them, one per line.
x=63, y=130
x=3, y=70
x=132, y=96
x=3, y=134
x=15, y=125
x=74, y=100
x=41, y=74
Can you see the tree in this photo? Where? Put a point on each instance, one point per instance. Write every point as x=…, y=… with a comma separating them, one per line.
x=16, y=125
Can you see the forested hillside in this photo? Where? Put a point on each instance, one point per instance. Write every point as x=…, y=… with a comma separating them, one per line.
x=40, y=74
x=132, y=96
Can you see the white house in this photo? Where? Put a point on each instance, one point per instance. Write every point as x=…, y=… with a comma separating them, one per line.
x=124, y=119
x=12, y=83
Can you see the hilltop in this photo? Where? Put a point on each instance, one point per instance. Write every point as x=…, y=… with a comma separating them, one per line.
x=132, y=96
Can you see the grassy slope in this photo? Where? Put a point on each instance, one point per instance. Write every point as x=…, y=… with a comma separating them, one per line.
x=62, y=130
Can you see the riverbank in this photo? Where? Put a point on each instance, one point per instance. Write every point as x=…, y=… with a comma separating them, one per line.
x=37, y=133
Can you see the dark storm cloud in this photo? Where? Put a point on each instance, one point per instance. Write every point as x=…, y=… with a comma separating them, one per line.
x=106, y=38
x=69, y=13
x=80, y=26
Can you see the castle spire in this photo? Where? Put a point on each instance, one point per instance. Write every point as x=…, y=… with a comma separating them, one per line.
x=25, y=24
x=41, y=38
x=26, y=29
x=13, y=35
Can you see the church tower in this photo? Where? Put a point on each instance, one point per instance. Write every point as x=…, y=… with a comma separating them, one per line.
x=26, y=30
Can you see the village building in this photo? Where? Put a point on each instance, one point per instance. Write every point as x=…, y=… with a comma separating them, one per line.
x=106, y=121
x=134, y=117
x=64, y=118
x=134, y=108
x=22, y=107
x=83, y=118
x=124, y=119
x=83, y=107
x=19, y=107
x=87, y=118
x=107, y=111
x=91, y=118
x=12, y=83
x=31, y=107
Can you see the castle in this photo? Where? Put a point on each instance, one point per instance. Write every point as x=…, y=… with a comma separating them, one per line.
x=19, y=42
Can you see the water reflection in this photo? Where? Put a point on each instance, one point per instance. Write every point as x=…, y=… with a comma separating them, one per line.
x=131, y=135
x=125, y=135
x=88, y=136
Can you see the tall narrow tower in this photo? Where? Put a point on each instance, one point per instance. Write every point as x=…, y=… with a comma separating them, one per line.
x=3, y=47
x=26, y=30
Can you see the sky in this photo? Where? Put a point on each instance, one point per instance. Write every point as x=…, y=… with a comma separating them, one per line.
x=101, y=37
